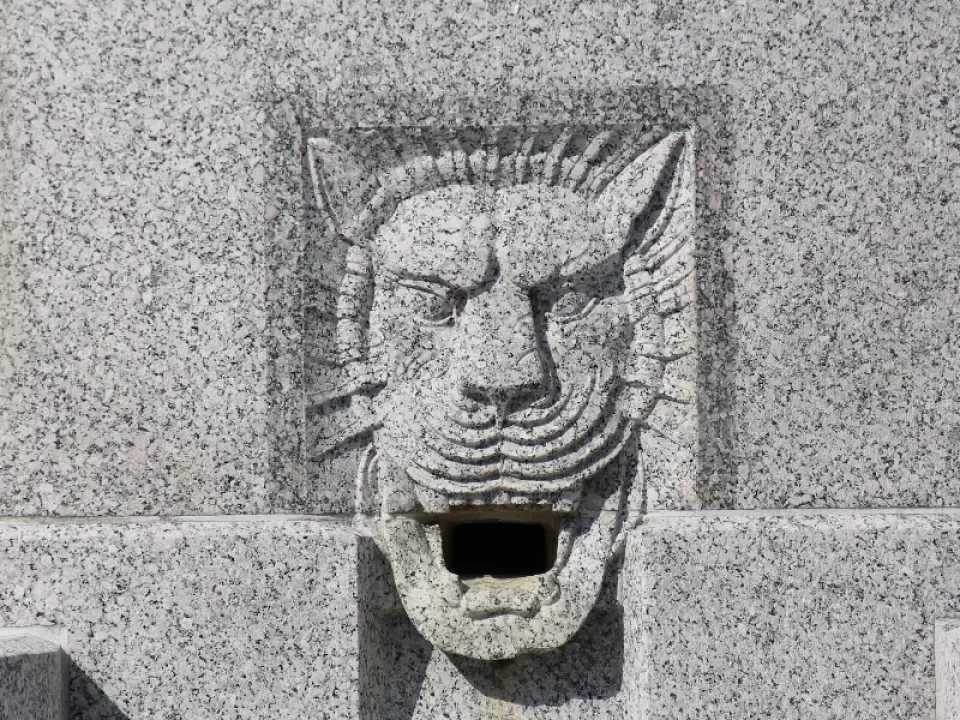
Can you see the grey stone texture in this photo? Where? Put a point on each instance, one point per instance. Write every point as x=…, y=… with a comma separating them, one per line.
x=157, y=236
x=793, y=616
x=31, y=679
x=948, y=669
x=200, y=620
x=514, y=324
x=744, y=616
x=582, y=680
x=799, y=615
x=167, y=300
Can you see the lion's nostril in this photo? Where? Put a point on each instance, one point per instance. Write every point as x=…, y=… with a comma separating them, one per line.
x=475, y=394
x=523, y=377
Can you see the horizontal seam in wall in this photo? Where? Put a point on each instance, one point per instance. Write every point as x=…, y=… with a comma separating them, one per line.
x=341, y=522
x=346, y=522
x=805, y=512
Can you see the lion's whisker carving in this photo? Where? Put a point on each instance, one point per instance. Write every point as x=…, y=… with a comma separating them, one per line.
x=478, y=417
x=582, y=427
x=468, y=437
x=578, y=427
x=551, y=424
x=532, y=417
x=565, y=467
x=466, y=455
x=558, y=470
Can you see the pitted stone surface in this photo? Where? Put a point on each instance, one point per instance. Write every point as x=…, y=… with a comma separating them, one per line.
x=735, y=617
x=168, y=314
x=133, y=363
x=948, y=669
x=204, y=620
x=580, y=681
x=31, y=679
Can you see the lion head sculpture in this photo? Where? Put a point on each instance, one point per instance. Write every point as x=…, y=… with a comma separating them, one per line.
x=501, y=340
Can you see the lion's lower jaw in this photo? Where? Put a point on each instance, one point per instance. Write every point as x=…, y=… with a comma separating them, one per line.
x=465, y=613
x=488, y=597
x=498, y=618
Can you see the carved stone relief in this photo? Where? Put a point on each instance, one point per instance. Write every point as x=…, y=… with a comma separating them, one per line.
x=516, y=315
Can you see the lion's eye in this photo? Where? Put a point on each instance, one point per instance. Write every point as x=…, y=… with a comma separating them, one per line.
x=437, y=310
x=435, y=304
x=571, y=305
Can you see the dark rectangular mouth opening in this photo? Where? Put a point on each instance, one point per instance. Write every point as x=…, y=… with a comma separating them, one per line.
x=499, y=547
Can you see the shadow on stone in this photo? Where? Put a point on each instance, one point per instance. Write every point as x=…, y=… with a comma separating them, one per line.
x=410, y=658
x=717, y=317
x=88, y=701
x=393, y=656
x=589, y=666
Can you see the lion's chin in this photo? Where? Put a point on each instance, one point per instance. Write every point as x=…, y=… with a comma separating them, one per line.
x=495, y=575
x=493, y=582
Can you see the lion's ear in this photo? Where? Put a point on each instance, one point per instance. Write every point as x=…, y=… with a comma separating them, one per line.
x=340, y=406
x=341, y=182
x=662, y=368
x=638, y=190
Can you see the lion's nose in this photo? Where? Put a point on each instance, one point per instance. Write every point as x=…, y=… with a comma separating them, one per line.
x=498, y=356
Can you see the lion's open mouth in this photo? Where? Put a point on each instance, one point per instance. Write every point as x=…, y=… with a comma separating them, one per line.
x=497, y=545
x=505, y=560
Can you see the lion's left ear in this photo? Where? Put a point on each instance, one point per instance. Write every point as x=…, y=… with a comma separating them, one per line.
x=640, y=188
x=341, y=182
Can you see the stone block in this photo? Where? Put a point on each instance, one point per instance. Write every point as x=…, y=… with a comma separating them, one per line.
x=157, y=227
x=31, y=679
x=948, y=669
x=200, y=620
x=133, y=360
x=791, y=617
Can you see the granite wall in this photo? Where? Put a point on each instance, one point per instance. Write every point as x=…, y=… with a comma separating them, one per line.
x=166, y=306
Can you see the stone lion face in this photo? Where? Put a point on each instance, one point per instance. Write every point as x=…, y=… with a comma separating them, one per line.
x=509, y=315
x=500, y=325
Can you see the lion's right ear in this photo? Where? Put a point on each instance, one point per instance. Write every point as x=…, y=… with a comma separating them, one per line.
x=634, y=192
x=341, y=183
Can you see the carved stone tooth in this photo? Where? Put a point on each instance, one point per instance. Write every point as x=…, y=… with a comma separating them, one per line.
x=451, y=590
x=488, y=597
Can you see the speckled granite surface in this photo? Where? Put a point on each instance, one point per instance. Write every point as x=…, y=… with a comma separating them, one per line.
x=193, y=620
x=744, y=617
x=947, y=636
x=738, y=617
x=133, y=301
x=31, y=679
x=580, y=681
x=167, y=299
x=154, y=225
x=809, y=617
